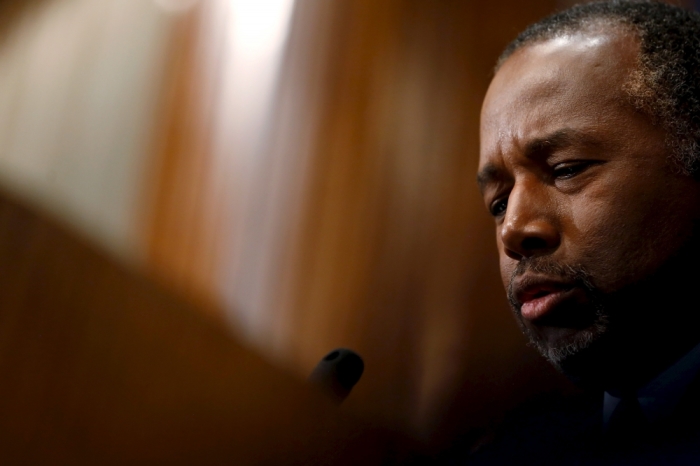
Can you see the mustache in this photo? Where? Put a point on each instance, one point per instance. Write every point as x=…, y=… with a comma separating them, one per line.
x=572, y=273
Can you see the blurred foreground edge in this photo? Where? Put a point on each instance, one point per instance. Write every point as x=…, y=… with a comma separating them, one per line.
x=99, y=365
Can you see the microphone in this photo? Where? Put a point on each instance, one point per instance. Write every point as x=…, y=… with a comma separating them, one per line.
x=337, y=373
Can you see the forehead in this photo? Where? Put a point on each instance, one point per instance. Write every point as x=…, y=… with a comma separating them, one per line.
x=573, y=82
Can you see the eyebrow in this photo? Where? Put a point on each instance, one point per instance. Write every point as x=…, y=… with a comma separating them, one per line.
x=487, y=175
x=540, y=148
x=559, y=139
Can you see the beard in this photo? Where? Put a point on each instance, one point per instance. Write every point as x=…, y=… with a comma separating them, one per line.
x=621, y=338
x=583, y=329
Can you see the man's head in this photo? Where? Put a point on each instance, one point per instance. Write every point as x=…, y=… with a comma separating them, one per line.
x=589, y=139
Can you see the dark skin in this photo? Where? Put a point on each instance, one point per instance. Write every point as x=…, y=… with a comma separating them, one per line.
x=595, y=225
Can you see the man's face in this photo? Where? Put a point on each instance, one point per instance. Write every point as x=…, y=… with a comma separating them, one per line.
x=593, y=223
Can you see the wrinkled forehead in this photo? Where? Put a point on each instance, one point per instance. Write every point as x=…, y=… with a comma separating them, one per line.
x=573, y=78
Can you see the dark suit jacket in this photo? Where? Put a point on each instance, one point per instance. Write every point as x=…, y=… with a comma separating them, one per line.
x=556, y=430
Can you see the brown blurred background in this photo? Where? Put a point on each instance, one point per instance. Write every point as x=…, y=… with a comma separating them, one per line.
x=306, y=166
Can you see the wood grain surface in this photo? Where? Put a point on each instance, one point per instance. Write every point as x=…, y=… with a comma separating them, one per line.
x=99, y=365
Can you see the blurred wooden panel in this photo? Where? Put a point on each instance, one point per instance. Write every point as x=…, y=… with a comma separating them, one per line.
x=77, y=97
x=11, y=10
x=394, y=254
x=100, y=366
x=178, y=234
x=362, y=225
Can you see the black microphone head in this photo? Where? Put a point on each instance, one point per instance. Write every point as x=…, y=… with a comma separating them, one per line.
x=338, y=372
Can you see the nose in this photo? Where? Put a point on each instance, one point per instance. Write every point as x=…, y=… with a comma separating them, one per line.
x=530, y=227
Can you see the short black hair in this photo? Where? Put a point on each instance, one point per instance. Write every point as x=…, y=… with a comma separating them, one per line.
x=666, y=84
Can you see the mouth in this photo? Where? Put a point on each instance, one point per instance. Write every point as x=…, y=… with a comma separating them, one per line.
x=561, y=315
x=538, y=297
x=540, y=306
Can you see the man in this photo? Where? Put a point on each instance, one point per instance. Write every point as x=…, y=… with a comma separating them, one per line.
x=590, y=166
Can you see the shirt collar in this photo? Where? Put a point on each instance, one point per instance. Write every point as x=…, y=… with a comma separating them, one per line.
x=660, y=397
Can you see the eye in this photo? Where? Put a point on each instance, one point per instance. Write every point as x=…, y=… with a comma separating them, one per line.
x=566, y=170
x=498, y=207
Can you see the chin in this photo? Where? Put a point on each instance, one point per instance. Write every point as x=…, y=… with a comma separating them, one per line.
x=577, y=354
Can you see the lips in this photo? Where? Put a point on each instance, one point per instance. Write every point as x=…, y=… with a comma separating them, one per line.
x=539, y=296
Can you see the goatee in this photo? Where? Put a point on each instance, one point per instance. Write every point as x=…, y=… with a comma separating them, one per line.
x=568, y=352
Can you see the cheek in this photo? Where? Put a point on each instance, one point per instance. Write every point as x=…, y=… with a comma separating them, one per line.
x=603, y=234
x=594, y=228
x=507, y=265
x=603, y=248
x=624, y=232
